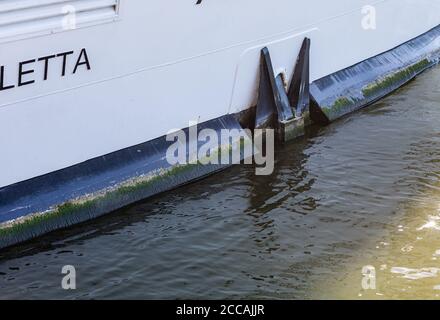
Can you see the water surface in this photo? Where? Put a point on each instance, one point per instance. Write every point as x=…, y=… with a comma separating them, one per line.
x=363, y=191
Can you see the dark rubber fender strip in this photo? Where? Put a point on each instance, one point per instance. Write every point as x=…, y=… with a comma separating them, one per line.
x=360, y=85
x=93, y=188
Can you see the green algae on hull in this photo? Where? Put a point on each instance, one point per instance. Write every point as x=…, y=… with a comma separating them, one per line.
x=101, y=202
x=337, y=108
x=374, y=90
x=395, y=79
x=87, y=203
x=85, y=208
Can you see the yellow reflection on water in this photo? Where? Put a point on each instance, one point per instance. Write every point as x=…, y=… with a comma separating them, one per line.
x=404, y=264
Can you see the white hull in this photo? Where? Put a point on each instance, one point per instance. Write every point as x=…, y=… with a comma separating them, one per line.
x=158, y=65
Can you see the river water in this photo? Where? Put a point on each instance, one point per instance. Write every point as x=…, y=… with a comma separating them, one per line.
x=352, y=211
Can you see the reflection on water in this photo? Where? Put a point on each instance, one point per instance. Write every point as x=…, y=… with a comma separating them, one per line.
x=363, y=191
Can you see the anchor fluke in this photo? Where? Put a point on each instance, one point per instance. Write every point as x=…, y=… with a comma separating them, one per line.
x=278, y=109
x=299, y=90
x=273, y=103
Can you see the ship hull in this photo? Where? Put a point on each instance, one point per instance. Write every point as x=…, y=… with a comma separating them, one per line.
x=70, y=100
